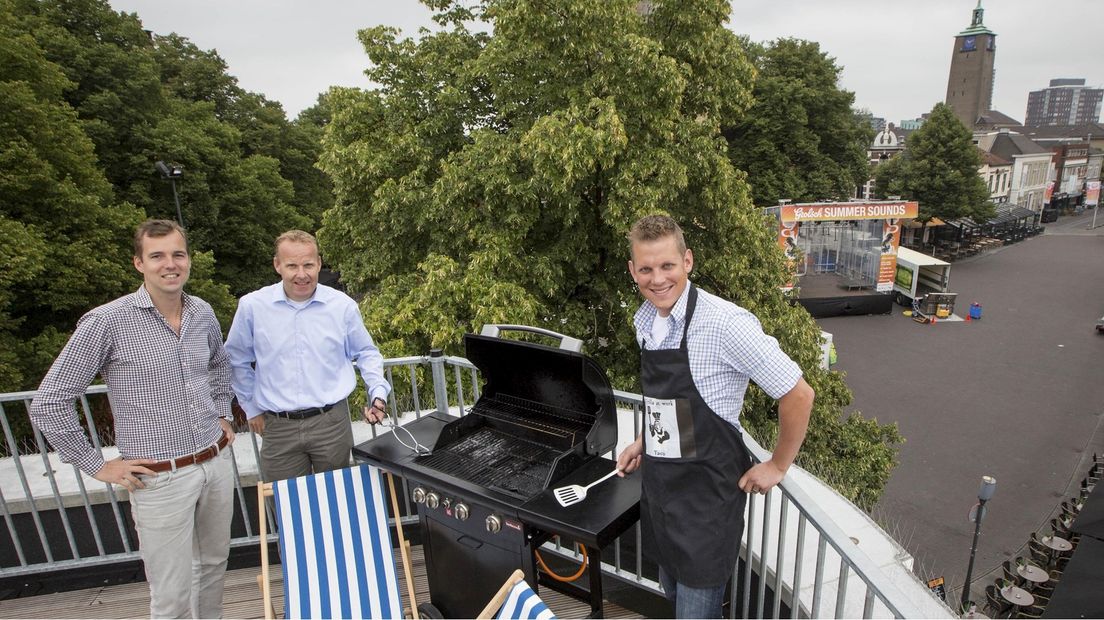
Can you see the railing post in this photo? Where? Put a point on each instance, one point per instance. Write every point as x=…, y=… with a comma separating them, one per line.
x=440, y=382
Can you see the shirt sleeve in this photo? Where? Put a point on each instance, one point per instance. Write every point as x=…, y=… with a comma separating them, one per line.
x=218, y=370
x=239, y=350
x=758, y=355
x=53, y=409
x=368, y=358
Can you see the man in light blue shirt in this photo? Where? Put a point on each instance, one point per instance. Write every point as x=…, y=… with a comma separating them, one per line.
x=292, y=346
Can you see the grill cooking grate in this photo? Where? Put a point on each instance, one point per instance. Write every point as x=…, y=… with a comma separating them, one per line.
x=495, y=460
x=545, y=419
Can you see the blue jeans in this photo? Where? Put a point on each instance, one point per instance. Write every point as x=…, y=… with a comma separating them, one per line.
x=692, y=602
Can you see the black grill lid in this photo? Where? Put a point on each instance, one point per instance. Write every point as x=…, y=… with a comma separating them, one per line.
x=566, y=381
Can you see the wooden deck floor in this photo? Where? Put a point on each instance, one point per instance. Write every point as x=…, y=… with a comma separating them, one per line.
x=242, y=598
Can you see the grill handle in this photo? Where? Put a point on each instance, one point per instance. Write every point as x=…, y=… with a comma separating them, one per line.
x=567, y=343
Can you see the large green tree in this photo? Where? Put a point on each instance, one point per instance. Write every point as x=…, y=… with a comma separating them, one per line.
x=939, y=169
x=801, y=139
x=493, y=177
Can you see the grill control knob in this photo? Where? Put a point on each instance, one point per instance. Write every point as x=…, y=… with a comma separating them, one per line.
x=432, y=500
x=461, y=511
x=494, y=524
x=419, y=495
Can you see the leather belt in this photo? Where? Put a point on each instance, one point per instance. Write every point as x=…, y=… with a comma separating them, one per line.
x=191, y=459
x=302, y=414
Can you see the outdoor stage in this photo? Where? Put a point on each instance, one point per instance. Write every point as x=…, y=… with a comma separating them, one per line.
x=830, y=294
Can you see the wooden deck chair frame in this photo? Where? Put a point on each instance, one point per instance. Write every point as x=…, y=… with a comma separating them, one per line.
x=264, y=490
x=500, y=597
x=531, y=604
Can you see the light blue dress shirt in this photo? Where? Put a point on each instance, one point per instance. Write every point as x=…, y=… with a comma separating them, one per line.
x=287, y=356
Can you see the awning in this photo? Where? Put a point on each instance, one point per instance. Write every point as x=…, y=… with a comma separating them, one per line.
x=963, y=223
x=918, y=224
x=1007, y=214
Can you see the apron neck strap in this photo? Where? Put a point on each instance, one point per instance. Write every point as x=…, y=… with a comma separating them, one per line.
x=691, y=303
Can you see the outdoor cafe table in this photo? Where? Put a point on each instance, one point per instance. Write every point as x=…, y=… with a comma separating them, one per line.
x=1090, y=520
x=1033, y=573
x=1057, y=544
x=1078, y=594
x=1017, y=596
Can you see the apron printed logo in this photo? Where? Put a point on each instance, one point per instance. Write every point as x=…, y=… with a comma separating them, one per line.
x=663, y=429
x=656, y=428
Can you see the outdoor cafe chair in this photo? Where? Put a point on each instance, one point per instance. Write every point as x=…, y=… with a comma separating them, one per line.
x=1061, y=527
x=1011, y=575
x=995, y=603
x=1040, y=555
x=335, y=546
x=1032, y=611
x=1070, y=508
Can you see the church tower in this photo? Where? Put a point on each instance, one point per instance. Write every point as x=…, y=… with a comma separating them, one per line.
x=970, y=85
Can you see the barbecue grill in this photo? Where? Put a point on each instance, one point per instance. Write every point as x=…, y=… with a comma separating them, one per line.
x=484, y=490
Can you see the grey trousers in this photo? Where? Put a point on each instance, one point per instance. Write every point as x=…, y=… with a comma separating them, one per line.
x=183, y=522
x=293, y=448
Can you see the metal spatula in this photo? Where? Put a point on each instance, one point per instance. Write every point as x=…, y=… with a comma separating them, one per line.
x=574, y=493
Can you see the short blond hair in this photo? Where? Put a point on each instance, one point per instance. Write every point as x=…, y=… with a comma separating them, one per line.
x=294, y=236
x=655, y=227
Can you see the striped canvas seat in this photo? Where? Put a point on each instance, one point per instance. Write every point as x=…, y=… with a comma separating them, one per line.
x=517, y=601
x=335, y=546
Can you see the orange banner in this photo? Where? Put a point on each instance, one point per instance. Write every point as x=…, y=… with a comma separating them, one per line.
x=827, y=211
x=887, y=267
x=787, y=240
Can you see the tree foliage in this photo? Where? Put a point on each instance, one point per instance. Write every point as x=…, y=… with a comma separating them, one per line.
x=63, y=238
x=939, y=169
x=800, y=140
x=493, y=178
x=143, y=98
x=88, y=102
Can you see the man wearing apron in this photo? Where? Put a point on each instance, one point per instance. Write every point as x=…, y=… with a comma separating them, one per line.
x=697, y=354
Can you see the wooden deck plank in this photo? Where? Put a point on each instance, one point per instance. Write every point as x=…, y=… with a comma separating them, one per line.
x=242, y=598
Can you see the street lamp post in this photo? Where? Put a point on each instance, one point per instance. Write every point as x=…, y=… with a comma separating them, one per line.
x=985, y=493
x=172, y=174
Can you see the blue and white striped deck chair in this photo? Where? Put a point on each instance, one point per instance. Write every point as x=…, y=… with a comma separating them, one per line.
x=335, y=546
x=515, y=600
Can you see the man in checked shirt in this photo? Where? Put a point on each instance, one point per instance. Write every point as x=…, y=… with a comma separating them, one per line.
x=160, y=353
x=697, y=354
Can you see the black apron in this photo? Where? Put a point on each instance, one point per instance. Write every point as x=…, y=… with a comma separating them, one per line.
x=693, y=461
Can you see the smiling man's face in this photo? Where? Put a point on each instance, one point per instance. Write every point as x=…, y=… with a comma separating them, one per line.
x=164, y=264
x=661, y=271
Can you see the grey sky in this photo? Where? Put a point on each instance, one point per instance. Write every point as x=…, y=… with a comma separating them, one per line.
x=895, y=54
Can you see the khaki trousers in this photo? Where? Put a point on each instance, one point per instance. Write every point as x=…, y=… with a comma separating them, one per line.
x=293, y=448
x=183, y=522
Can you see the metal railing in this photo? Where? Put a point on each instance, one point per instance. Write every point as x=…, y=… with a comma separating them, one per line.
x=787, y=535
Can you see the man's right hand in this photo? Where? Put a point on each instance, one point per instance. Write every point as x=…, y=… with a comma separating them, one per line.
x=256, y=424
x=629, y=459
x=124, y=473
